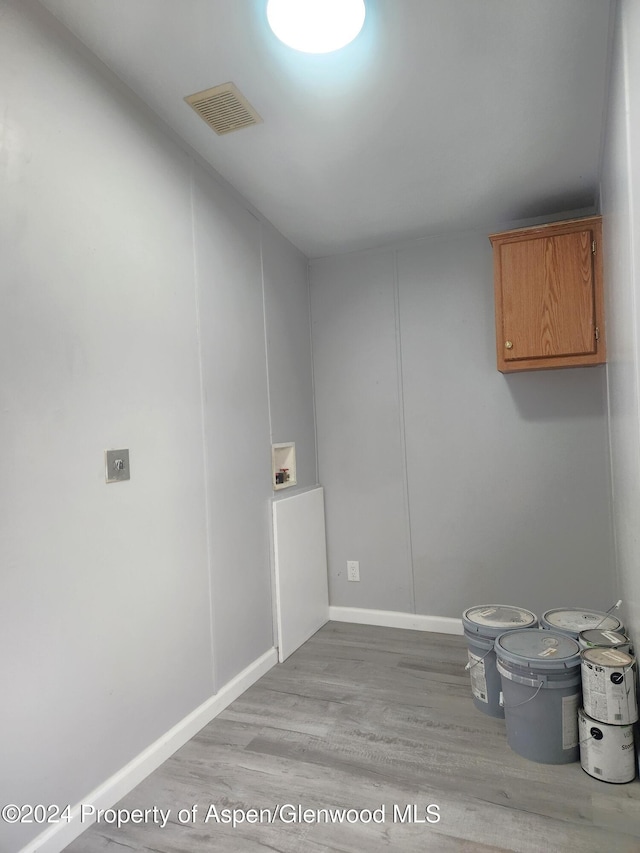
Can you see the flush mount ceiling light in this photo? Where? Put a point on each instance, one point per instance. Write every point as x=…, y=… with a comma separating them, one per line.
x=316, y=26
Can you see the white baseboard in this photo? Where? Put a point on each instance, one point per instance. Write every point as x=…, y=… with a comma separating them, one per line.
x=58, y=836
x=395, y=619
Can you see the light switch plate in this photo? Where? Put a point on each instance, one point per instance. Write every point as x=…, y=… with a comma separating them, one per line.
x=116, y=466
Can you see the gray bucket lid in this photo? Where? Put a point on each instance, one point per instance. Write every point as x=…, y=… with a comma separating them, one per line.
x=489, y=620
x=575, y=619
x=538, y=650
x=607, y=657
x=600, y=637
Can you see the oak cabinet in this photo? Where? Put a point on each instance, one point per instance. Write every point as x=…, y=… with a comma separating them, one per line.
x=549, y=296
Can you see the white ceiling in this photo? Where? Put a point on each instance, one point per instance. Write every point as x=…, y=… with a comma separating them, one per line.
x=444, y=115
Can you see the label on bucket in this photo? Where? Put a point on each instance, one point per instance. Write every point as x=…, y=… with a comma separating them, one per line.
x=613, y=657
x=570, y=721
x=609, y=693
x=548, y=653
x=478, y=677
x=606, y=751
x=614, y=639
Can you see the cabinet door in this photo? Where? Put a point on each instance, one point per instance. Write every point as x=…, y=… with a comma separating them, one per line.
x=548, y=297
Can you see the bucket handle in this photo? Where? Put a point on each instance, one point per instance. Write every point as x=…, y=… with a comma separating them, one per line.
x=476, y=662
x=509, y=707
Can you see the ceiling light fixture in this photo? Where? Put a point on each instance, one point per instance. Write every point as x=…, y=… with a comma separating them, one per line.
x=316, y=26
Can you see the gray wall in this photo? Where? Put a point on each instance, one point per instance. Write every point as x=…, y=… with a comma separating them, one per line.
x=289, y=352
x=451, y=483
x=360, y=436
x=620, y=192
x=131, y=315
x=236, y=421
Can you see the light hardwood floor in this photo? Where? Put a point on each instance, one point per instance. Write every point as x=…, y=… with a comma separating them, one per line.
x=363, y=717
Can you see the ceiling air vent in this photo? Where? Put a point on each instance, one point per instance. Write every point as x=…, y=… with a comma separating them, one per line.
x=224, y=108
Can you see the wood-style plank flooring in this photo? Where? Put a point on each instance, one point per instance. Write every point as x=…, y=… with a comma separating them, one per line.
x=367, y=718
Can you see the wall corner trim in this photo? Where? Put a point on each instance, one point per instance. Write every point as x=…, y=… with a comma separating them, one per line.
x=395, y=619
x=57, y=837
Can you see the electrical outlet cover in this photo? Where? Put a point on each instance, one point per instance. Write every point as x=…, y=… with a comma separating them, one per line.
x=353, y=570
x=116, y=466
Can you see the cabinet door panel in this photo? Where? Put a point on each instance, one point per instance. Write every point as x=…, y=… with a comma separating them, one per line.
x=548, y=296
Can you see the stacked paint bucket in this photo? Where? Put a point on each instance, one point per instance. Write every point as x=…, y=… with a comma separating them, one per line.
x=482, y=624
x=540, y=671
x=610, y=707
x=533, y=679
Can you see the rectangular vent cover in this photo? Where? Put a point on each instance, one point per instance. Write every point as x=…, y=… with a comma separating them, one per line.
x=224, y=108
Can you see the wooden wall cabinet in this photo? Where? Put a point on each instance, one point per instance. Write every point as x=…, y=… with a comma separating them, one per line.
x=549, y=296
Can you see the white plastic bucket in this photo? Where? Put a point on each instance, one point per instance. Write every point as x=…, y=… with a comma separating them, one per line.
x=482, y=624
x=606, y=751
x=609, y=686
x=572, y=620
x=541, y=688
x=597, y=638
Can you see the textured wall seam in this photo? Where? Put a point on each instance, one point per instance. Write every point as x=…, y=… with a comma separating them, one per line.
x=203, y=417
x=402, y=425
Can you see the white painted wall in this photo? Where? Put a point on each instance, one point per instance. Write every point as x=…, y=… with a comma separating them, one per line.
x=620, y=198
x=506, y=477
x=131, y=315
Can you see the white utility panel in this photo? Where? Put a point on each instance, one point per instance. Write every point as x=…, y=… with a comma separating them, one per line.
x=302, y=594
